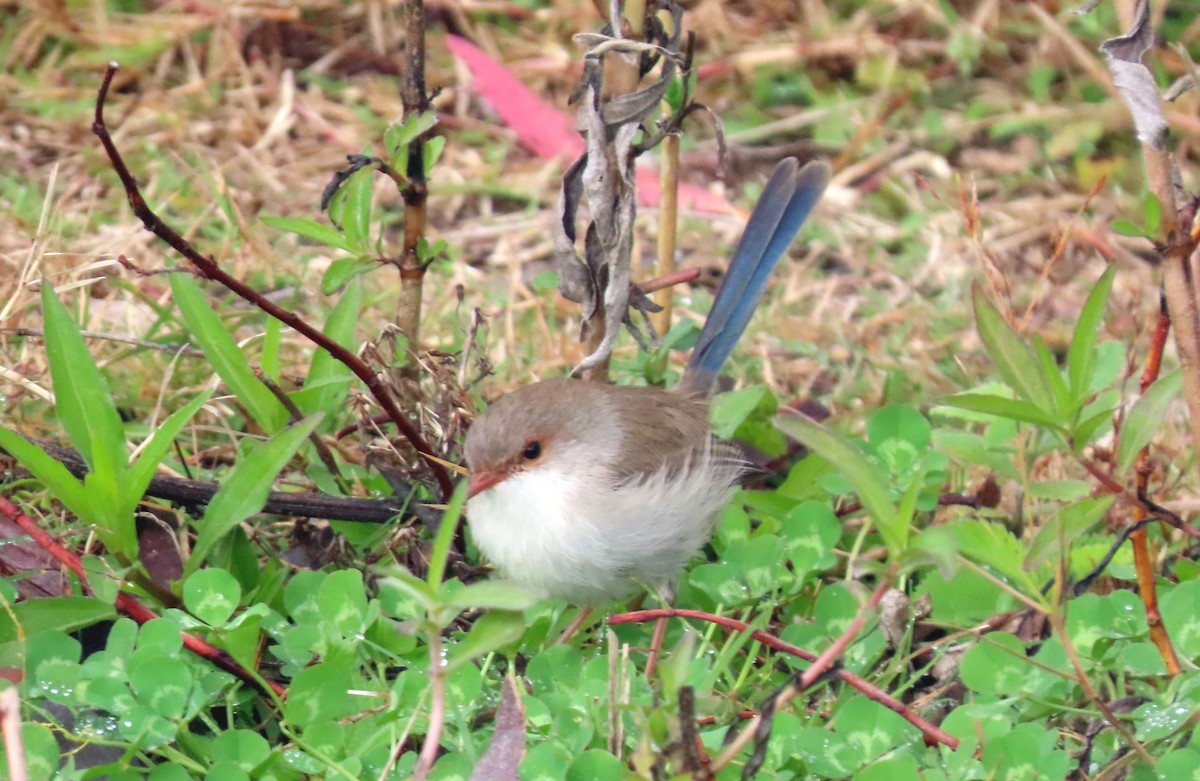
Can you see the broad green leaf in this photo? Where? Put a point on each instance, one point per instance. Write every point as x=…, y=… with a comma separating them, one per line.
x=1003, y=408
x=51, y=472
x=899, y=421
x=494, y=629
x=411, y=586
x=990, y=543
x=401, y=134
x=342, y=602
x=85, y=407
x=1015, y=362
x=433, y=152
x=244, y=491
x=1152, y=211
x=61, y=614
x=269, y=363
x=1085, y=431
x=901, y=524
x=205, y=326
x=155, y=450
x=445, y=535
x=595, y=763
x=318, y=231
x=1057, y=534
x=356, y=210
x=212, y=594
x=1146, y=416
x=343, y=270
x=328, y=380
x=853, y=465
x=996, y=665
x=161, y=687
x=1081, y=357
x=1128, y=228
x=1059, y=394
x=492, y=595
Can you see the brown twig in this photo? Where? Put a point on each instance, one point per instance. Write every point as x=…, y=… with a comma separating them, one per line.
x=872, y=692
x=1138, y=539
x=209, y=269
x=677, y=277
x=415, y=101
x=195, y=493
x=130, y=606
x=821, y=667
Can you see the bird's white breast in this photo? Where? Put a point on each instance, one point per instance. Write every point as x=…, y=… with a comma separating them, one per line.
x=581, y=536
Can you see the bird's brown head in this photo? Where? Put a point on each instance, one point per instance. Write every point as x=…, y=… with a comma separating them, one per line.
x=553, y=420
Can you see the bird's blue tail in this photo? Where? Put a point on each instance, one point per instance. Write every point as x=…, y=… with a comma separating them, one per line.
x=784, y=205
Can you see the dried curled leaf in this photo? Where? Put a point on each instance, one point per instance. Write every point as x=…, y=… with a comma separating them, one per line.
x=1133, y=79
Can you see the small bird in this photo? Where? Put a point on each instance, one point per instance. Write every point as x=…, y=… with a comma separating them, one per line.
x=587, y=491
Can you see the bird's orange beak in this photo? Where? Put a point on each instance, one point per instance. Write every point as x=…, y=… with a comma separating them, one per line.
x=481, y=480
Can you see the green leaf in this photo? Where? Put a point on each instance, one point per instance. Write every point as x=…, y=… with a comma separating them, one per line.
x=162, y=687
x=343, y=270
x=731, y=410
x=342, y=602
x=1003, y=408
x=445, y=535
x=996, y=665
x=401, y=134
x=1146, y=416
x=212, y=594
x=311, y=229
x=410, y=585
x=244, y=491
x=1127, y=228
x=991, y=544
x=269, y=363
x=899, y=421
x=51, y=472
x=225, y=356
x=852, y=464
x=1081, y=357
x=1056, y=535
x=491, y=594
x=494, y=630
x=595, y=763
x=1152, y=212
x=356, y=214
x=1017, y=365
x=1083, y=433
x=243, y=747
x=61, y=614
x=433, y=152
x=1059, y=394
x=328, y=380
x=85, y=407
x=156, y=448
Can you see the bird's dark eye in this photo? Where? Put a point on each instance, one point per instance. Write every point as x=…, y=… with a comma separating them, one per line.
x=532, y=451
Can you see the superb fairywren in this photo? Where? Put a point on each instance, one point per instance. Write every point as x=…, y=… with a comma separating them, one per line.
x=582, y=490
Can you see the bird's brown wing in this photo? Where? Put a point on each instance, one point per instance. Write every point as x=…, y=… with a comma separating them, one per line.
x=672, y=430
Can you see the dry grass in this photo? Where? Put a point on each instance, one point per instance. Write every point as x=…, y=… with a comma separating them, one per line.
x=228, y=111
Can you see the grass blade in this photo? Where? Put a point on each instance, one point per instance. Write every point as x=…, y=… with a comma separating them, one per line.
x=226, y=357
x=245, y=491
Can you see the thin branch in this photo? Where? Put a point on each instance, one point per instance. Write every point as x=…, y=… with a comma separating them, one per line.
x=872, y=692
x=209, y=268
